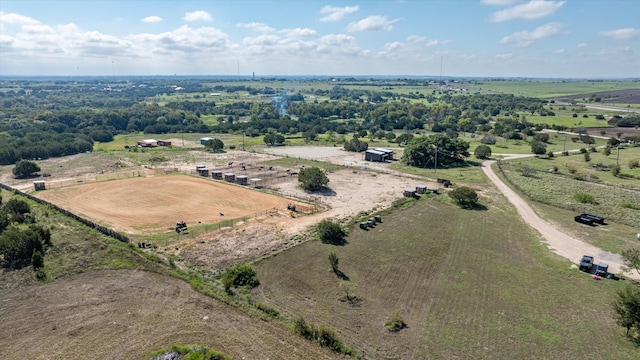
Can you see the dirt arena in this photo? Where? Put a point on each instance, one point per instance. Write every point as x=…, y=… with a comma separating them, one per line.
x=154, y=204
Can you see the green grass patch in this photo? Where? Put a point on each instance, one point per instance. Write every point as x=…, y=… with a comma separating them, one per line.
x=551, y=88
x=468, y=284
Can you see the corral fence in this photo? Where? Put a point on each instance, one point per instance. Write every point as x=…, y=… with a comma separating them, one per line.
x=103, y=229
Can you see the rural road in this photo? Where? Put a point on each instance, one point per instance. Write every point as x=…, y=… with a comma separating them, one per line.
x=610, y=108
x=562, y=244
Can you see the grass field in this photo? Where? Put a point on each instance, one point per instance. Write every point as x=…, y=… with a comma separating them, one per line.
x=469, y=284
x=551, y=88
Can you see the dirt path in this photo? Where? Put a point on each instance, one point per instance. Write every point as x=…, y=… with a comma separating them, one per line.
x=562, y=244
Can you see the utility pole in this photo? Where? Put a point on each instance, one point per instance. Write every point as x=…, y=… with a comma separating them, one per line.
x=435, y=164
x=243, y=140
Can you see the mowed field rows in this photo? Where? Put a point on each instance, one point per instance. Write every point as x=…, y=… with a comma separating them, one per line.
x=126, y=314
x=154, y=204
x=469, y=284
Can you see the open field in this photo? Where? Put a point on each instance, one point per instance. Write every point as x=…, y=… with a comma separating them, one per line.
x=487, y=290
x=561, y=189
x=126, y=314
x=621, y=97
x=551, y=88
x=154, y=204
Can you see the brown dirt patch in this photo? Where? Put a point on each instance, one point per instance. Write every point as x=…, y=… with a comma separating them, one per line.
x=127, y=314
x=156, y=203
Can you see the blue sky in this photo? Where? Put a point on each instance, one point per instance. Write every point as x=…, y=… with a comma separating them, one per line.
x=496, y=38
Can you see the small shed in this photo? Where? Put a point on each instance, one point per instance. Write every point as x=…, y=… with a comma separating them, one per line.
x=242, y=180
x=375, y=155
x=389, y=153
x=230, y=177
x=164, y=143
x=39, y=185
x=256, y=182
x=216, y=174
x=204, y=140
x=203, y=170
x=409, y=192
x=421, y=189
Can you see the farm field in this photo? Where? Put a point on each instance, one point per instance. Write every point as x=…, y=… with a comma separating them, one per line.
x=614, y=203
x=490, y=290
x=154, y=204
x=126, y=314
x=551, y=88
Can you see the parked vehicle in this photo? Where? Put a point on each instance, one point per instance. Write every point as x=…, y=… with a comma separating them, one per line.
x=586, y=264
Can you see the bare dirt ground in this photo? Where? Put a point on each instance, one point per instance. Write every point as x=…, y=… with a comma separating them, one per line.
x=629, y=96
x=137, y=312
x=561, y=243
x=155, y=203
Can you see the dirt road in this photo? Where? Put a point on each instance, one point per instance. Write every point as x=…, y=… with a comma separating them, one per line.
x=562, y=244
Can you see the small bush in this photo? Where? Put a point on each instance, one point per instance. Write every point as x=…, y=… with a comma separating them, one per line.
x=634, y=164
x=41, y=275
x=527, y=170
x=37, y=260
x=565, y=153
x=189, y=352
x=587, y=157
x=394, y=323
x=241, y=275
x=330, y=232
x=585, y=198
x=333, y=260
x=268, y=310
x=615, y=170
x=482, y=152
x=550, y=154
x=630, y=205
x=464, y=196
x=583, y=151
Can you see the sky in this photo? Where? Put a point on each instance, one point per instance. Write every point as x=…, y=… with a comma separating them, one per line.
x=467, y=38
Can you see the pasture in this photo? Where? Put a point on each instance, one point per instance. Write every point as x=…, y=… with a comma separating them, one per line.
x=468, y=284
x=154, y=204
x=551, y=88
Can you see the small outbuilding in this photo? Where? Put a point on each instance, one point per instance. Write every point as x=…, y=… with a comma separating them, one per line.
x=242, y=180
x=409, y=192
x=375, y=155
x=389, y=153
x=39, y=185
x=203, y=170
x=216, y=174
x=164, y=143
x=421, y=189
x=231, y=177
x=256, y=182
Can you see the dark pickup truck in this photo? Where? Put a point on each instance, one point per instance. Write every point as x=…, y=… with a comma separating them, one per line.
x=589, y=219
x=586, y=263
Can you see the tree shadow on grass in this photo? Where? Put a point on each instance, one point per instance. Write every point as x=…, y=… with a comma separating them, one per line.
x=341, y=275
x=325, y=191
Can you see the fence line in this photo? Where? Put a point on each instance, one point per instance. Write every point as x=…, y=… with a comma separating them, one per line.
x=103, y=229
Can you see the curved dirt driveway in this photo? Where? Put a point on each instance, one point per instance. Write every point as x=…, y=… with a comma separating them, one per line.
x=562, y=244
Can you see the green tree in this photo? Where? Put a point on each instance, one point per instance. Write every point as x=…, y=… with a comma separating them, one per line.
x=333, y=260
x=482, y=152
x=312, y=179
x=355, y=145
x=330, y=232
x=17, y=246
x=390, y=136
x=587, y=157
x=25, y=168
x=626, y=306
x=421, y=152
x=542, y=137
x=273, y=138
x=464, y=196
x=241, y=275
x=403, y=139
x=538, y=148
x=214, y=145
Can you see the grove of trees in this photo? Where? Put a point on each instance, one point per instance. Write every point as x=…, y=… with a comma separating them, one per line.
x=424, y=151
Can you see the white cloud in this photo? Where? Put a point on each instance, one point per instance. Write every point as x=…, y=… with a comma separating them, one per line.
x=626, y=33
x=525, y=38
x=372, y=23
x=11, y=18
x=534, y=9
x=435, y=42
x=498, y=2
x=615, y=51
x=333, y=14
x=581, y=45
x=559, y=51
x=299, y=32
x=198, y=15
x=152, y=19
x=416, y=38
x=504, y=56
x=260, y=27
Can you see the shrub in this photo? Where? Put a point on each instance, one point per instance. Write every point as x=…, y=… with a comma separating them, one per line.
x=330, y=232
x=41, y=275
x=312, y=179
x=583, y=150
x=550, y=154
x=394, y=323
x=268, y=310
x=585, y=198
x=464, y=196
x=242, y=275
x=488, y=139
x=37, y=260
x=482, y=152
x=587, y=157
x=333, y=260
x=189, y=352
x=615, y=170
x=633, y=164
x=538, y=147
x=565, y=153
